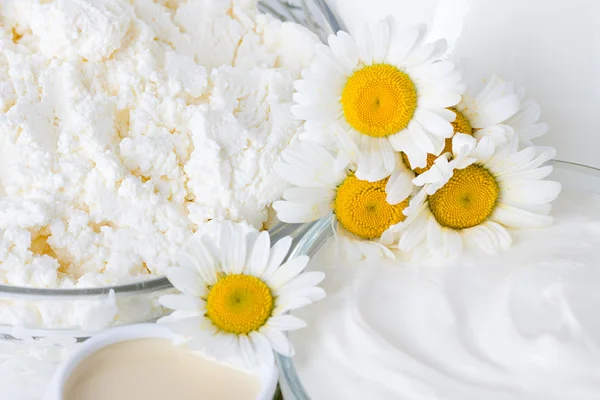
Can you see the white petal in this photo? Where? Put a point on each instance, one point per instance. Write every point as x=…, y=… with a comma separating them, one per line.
x=200, y=257
x=377, y=159
x=433, y=123
x=279, y=252
x=435, y=240
x=345, y=143
x=286, y=323
x=308, y=164
x=233, y=248
x=381, y=40
x=453, y=243
x=308, y=195
x=532, y=132
x=187, y=281
x=224, y=346
x=502, y=236
x=484, y=150
x=262, y=349
x=402, y=42
x=530, y=175
x=422, y=139
x=298, y=298
x=280, y=343
x=343, y=47
x=399, y=186
x=516, y=218
x=181, y=315
x=482, y=237
x=187, y=326
x=304, y=280
x=530, y=192
x=287, y=272
x=291, y=212
x=463, y=145
x=427, y=53
x=293, y=304
x=181, y=302
x=313, y=293
x=500, y=134
x=401, y=140
x=364, y=42
x=324, y=55
x=404, y=142
x=414, y=234
x=246, y=351
x=494, y=104
x=496, y=112
x=259, y=254
x=437, y=176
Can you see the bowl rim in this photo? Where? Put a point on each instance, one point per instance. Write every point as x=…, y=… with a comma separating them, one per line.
x=151, y=285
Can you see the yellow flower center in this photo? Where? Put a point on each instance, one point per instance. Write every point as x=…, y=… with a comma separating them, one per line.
x=239, y=304
x=361, y=208
x=467, y=199
x=461, y=125
x=379, y=100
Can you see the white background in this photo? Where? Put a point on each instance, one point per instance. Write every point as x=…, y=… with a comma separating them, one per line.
x=549, y=47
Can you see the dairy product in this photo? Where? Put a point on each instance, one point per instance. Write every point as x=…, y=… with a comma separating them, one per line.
x=126, y=126
x=167, y=371
x=519, y=325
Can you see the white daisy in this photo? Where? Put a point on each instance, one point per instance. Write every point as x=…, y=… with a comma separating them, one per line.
x=235, y=296
x=498, y=110
x=474, y=197
x=386, y=91
x=363, y=210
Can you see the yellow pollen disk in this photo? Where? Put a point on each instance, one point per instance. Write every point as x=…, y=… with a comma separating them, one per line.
x=379, y=100
x=239, y=304
x=467, y=200
x=461, y=125
x=361, y=208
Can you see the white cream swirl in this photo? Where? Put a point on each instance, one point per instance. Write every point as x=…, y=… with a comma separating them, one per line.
x=521, y=325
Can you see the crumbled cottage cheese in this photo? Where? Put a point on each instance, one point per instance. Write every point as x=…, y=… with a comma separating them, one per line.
x=127, y=125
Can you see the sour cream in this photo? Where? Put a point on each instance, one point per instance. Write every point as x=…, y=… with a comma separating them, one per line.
x=154, y=369
x=141, y=362
x=522, y=324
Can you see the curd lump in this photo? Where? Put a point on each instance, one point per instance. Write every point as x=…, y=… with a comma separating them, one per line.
x=520, y=325
x=127, y=125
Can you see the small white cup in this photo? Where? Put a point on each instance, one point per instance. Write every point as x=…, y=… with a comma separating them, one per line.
x=267, y=376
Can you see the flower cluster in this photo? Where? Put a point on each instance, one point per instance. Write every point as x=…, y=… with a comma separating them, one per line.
x=407, y=159
x=405, y=156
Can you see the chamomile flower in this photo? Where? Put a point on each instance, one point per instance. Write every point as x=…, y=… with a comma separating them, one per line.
x=475, y=197
x=363, y=210
x=235, y=295
x=497, y=111
x=377, y=93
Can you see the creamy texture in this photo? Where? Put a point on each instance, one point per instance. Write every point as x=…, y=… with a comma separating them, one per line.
x=520, y=325
x=126, y=126
x=154, y=369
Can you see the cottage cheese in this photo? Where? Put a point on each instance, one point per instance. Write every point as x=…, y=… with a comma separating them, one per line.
x=126, y=126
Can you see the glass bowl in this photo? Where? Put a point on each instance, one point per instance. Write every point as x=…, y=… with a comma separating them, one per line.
x=38, y=327
x=567, y=173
